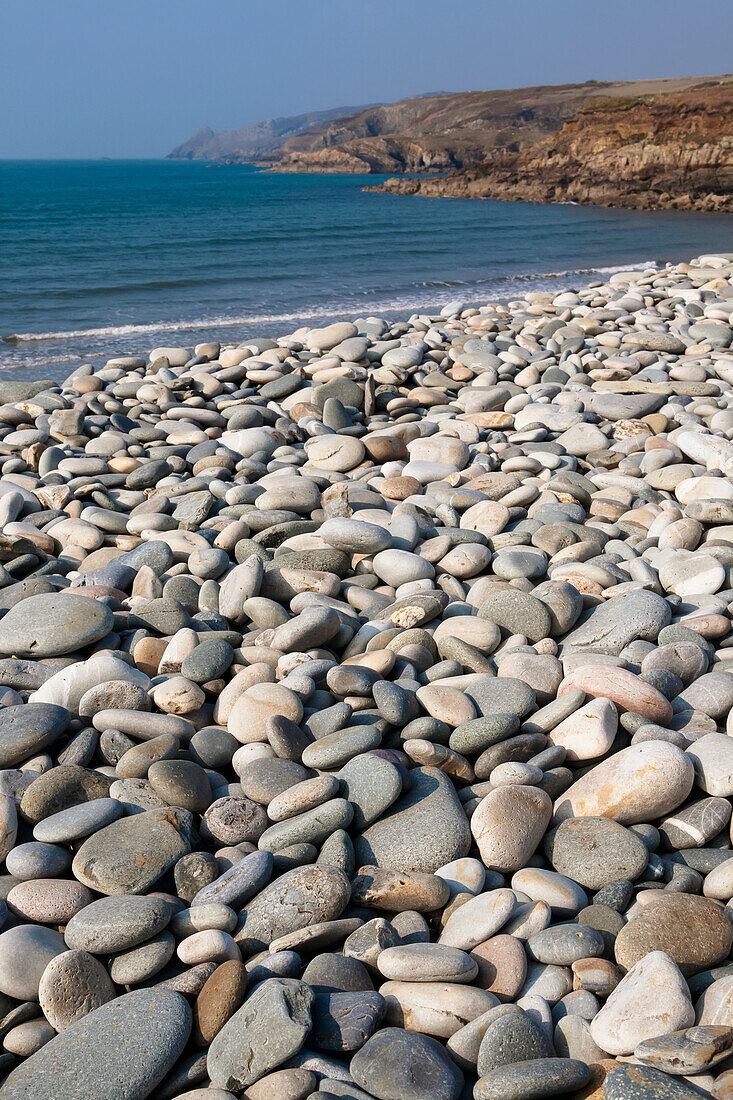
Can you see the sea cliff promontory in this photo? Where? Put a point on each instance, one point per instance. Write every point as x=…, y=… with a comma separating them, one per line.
x=671, y=150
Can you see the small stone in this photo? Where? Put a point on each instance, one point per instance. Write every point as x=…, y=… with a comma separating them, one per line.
x=221, y=996
x=596, y=851
x=129, y=855
x=644, y=1083
x=402, y=1063
x=651, y=1000
x=73, y=985
x=690, y=929
x=639, y=783
x=425, y=828
x=116, y=924
x=268, y=1029
x=535, y=1078
x=508, y=825
x=693, y=1050
x=478, y=919
x=25, y=952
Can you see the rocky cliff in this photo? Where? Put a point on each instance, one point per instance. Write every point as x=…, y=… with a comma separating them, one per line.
x=462, y=130
x=667, y=150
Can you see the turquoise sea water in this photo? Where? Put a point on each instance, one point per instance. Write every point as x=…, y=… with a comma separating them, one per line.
x=101, y=258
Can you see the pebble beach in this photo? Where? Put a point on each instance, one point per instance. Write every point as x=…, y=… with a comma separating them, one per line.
x=365, y=708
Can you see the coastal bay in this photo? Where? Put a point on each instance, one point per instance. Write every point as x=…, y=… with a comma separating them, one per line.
x=101, y=256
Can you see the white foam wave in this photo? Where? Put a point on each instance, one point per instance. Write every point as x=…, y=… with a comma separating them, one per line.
x=640, y=265
x=155, y=326
x=406, y=302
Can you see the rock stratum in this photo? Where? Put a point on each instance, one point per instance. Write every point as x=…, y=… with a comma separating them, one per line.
x=668, y=150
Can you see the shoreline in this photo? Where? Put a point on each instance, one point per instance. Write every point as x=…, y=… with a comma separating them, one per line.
x=339, y=259
x=509, y=186
x=370, y=689
x=270, y=326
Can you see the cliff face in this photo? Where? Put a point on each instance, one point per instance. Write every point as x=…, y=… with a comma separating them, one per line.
x=462, y=130
x=645, y=144
x=663, y=151
x=439, y=132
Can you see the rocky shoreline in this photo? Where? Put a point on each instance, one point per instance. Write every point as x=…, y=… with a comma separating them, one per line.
x=365, y=709
x=553, y=184
x=653, y=153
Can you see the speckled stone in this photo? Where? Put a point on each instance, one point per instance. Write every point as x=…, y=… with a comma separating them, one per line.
x=690, y=929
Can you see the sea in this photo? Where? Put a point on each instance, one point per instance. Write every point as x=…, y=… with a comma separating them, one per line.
x=105, y=258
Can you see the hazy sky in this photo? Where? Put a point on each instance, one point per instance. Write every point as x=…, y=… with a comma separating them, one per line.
x=91, y=78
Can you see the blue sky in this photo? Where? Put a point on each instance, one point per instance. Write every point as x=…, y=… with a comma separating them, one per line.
x=91, y=78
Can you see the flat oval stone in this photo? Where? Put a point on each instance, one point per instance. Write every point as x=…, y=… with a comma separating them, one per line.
x=692, y=930
x=248, y=718
x=639, y=783
x=181, y=783
x=509, y=823
x=627, y=691
x=25, y=952
x=35, y=860
x=510, y=1038
x=434, y=1008
x=561, y=893
x=596, y=851
x=402, y=1063
x=399, y=891
x=78, y=821
x=478, y=919
x=342, y=1022
x=312, y=827
x=427, y=962
x=219, y=999
x=337, y=749
x=587, y=733
x=48, y=900
x=270, y=1027
x=297, y=899
x=532, y=1079
x=59, y=788
x=129, y=855
x=89, y=1059
x=712, y=760
x=26, y=730
x=564, y=944
x=143, y=962
x=478, y=734
x=116, y=924
x=239, y=883
x=51, y=624
x=611, y=626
